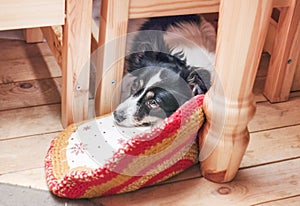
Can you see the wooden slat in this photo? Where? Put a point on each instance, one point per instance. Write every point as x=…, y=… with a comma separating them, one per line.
x=281, y=3
x=269, y=42
x=24, y=69
x=270, y=116
x=33, y=178
x=15, y=14
x=281, y=144
x=33, y=35
x=145, y=9
x=264, y=148
x=30, y=121
x=259, y=85
x=261, y=75
x=53, y=37
x=32, y=149
x=292, y=201
x=296, y=82
x=76, y=61
x=110, y=65
x=251, y=186
x=29, y=93
x=285, y=54
x=95, y=36
x=12, y=49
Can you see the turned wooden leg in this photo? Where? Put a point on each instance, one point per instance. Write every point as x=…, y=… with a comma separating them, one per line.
x=33, y=35
x=75, y=60
x=111, y=52
x=285, y=54
x=229, y=105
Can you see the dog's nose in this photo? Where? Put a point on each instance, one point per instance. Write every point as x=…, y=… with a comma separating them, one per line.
x=118, y=116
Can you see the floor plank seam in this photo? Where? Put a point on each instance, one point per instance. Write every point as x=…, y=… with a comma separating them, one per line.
x=274, y=128
x=19, y=171
x=33, y=106
x=29, y=80
x=275, y=200
x=269, y=163
x=31, y=135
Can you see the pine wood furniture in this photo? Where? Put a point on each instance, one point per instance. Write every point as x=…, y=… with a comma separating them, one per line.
x=283, y=44
x=71, y=48
x=243, y=26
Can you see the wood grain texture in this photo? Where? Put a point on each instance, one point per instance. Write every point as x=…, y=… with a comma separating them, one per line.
x=15, y=14
x=33, y=35
x=29, y=121
x=76, y=60
x=94, y=36
x=269, y=42
x=32, y=178
x=229, y=104
x=54, y=40
x=18, y=50
x=12, y=150
x=285, y=54
x=145, y=9
x=24, y=69
x=283, y=143
x=292, y=201
x=270, y=116
x=29, y=93
x=296, y=82
x=251, y=186
x=111, y=53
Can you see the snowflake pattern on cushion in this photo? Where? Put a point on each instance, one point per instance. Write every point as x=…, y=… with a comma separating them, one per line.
x=96, y=141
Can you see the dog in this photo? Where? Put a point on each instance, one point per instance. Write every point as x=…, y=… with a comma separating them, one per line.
x=171, y=60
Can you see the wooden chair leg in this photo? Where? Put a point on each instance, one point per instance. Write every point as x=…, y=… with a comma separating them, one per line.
x=33, y=35
x=76, y=60
x=284, y=56
x=111, y=52
x=229, y=105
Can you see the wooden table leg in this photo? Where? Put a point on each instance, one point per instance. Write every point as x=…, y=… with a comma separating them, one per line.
x=229, y=105
x=75, y=60
x=284, y=55
x=111, y=52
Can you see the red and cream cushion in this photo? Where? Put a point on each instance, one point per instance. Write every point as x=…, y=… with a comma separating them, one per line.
x=97, y=157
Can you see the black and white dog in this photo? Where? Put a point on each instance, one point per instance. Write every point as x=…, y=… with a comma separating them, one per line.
x=172, y=60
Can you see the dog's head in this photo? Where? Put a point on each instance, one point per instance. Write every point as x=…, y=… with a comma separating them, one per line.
x=162, y=84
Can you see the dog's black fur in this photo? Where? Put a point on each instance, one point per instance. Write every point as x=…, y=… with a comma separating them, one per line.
x=178, y=81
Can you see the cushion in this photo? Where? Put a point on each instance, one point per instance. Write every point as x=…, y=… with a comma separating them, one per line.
x=98, y=157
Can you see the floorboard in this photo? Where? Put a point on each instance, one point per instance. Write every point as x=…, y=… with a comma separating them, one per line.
x=24, y=69
x=30, y=93
x=251, y=186
x=29, y=121
x=290, y=201
x=12, y=150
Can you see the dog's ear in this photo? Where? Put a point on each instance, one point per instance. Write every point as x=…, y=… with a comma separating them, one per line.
x=199, y=81
x=133, y=61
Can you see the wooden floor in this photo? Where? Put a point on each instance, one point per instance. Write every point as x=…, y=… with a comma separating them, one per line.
x=30, y=117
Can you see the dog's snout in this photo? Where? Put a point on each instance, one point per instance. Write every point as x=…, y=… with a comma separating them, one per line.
x=118, y=116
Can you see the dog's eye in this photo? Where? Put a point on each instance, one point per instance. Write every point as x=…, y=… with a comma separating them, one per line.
x=152, y=104
x=135, y=85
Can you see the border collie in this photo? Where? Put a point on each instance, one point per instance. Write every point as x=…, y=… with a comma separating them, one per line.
x=172, y=60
